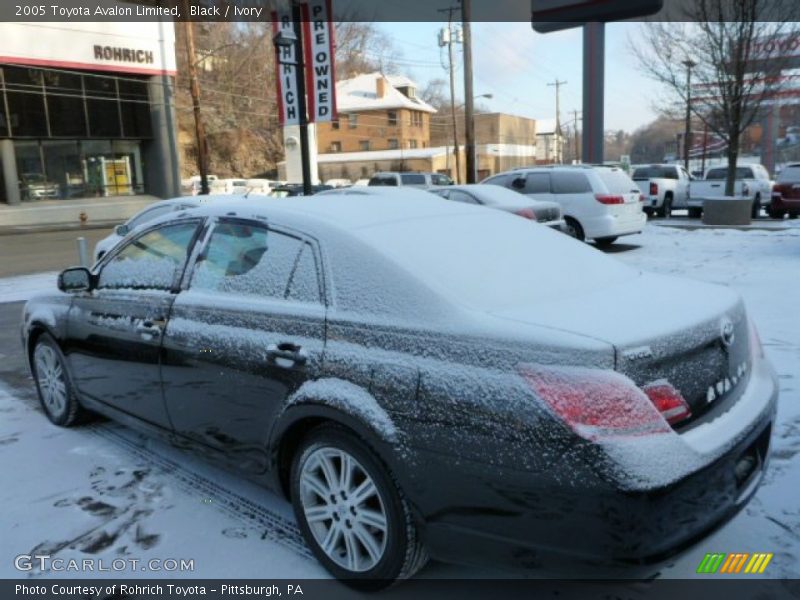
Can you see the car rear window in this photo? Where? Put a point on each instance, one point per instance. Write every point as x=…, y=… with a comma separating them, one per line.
x=655, y=172
x=722, y=173
x=789, y=174
x=412, y=178
x=617, y=181
x=568, y=182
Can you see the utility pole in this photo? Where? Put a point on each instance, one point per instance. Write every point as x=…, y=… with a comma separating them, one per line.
x=557, y=84
x=194, y=89
x=575, y=132
x=448, y=37
x=687, y=136
x=466, y=26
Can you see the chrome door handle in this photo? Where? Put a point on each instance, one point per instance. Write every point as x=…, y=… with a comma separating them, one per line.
x=287, y=351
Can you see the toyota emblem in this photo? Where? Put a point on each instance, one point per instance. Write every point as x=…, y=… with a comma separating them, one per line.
x=727, y=332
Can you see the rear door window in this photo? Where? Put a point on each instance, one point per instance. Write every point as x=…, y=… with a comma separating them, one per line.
x=246, y=258
x=412, y=179
x=537, y=183
x=383, y=180
x=568, y=182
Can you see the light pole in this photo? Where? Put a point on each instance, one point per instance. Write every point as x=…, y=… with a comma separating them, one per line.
x=294, y=40
x=687, y=135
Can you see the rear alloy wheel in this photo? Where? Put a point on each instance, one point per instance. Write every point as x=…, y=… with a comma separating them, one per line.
x=574, y=229
x=52, y=383
x=666, y=209
x=756, y=207
x=775, y=214
x=353, y=515
x=605, y=242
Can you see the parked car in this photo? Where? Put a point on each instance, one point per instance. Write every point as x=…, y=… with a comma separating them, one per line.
x=409, y=179
x=786, y=193
x=421, y=378
x=337, y=183
x=261, y=187
x=296, y=189
x=664, y=187
x=752, y=181
x=598, y=203
x=229, y=186
x=362, y=182
x=147, y=214
x=492, y=196
x=192, y=186
x=35, y=186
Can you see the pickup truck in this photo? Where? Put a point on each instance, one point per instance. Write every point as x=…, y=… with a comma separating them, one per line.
x=752, y=181
x=664, y=187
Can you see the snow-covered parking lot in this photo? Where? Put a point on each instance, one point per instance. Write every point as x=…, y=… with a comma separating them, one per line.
x=105, y=492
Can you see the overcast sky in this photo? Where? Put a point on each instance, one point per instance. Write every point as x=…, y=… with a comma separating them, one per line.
x=514, y=63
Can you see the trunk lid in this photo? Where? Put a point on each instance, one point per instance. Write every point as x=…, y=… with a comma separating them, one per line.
x=690, y=334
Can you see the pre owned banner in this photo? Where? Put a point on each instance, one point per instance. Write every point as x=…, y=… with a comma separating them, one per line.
x=318, y=35
x=286, y=69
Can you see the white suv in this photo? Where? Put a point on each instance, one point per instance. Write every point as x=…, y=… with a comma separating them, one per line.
x=598, y=203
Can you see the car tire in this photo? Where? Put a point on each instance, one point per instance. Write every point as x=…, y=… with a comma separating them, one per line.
x=756, y=207
x=775, y=214
x=793, y=215
x=368, y=543
x=53, y=384
x=695, y=213
x=665, y=211
x=605, y=242
x=574, y=229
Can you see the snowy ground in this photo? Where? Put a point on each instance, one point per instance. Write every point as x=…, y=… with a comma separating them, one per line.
x=105, y=491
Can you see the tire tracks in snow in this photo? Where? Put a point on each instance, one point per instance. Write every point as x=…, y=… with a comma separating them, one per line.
x=273, y=527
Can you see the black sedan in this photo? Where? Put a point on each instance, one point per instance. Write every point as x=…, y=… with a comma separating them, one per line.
x=421, y=378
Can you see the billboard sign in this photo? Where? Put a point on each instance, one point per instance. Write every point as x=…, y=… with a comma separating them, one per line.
x=319, y=60
x=286, y=70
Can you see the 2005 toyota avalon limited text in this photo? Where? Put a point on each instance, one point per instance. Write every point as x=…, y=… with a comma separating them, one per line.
x=421, y=378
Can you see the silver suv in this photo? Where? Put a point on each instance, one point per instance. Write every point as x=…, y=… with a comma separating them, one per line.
x=395, y=178
x=598, y=203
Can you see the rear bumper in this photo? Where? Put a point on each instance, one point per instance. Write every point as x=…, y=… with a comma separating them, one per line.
x=548, y=526
x=609, y=225
x=790, y=205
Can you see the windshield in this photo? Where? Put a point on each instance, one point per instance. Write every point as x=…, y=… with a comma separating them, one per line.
x=483, y=259
x=789, y=174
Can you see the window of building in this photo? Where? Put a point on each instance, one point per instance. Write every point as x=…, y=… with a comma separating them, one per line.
x=25, y=95
x=416, y=118
x=335, y=124
x=65, y=104
x=392, y=117
x=336, y=146
x=412, y=143
x=134, y=103
x=353, y=121
x=102, y=106
x=363, y=145
x=393, y=144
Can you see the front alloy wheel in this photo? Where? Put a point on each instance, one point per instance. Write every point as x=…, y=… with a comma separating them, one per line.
x=52, y=383
x=351, y=511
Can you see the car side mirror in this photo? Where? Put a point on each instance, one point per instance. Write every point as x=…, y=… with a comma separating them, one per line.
x=518, y=183
x=121, y=230
x=75, y=279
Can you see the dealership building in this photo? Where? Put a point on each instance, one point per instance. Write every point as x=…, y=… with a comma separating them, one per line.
x=86, y=110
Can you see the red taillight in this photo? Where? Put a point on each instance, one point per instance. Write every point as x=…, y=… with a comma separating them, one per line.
x=526, y=213
x=609, y=199
x=641, y=198
x=653, y=188
x=668, y=401
x=595, y=403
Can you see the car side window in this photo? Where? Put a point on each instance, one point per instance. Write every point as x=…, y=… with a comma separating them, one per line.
x=503, y=180
x=149, y=215
x=537, y=183
x=566, y=182
x=248, y=259
x=412, y=178
x=152, y=260
x=460, y=196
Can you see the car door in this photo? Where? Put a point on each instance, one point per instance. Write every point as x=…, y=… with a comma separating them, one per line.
x=245, y=332
x=114, y=332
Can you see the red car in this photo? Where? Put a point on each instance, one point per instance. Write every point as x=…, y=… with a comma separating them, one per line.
x=786, y=193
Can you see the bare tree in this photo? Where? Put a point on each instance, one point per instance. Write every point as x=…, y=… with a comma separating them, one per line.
x=731, y=50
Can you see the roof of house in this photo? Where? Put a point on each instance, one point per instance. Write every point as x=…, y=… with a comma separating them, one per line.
x=360, y=93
